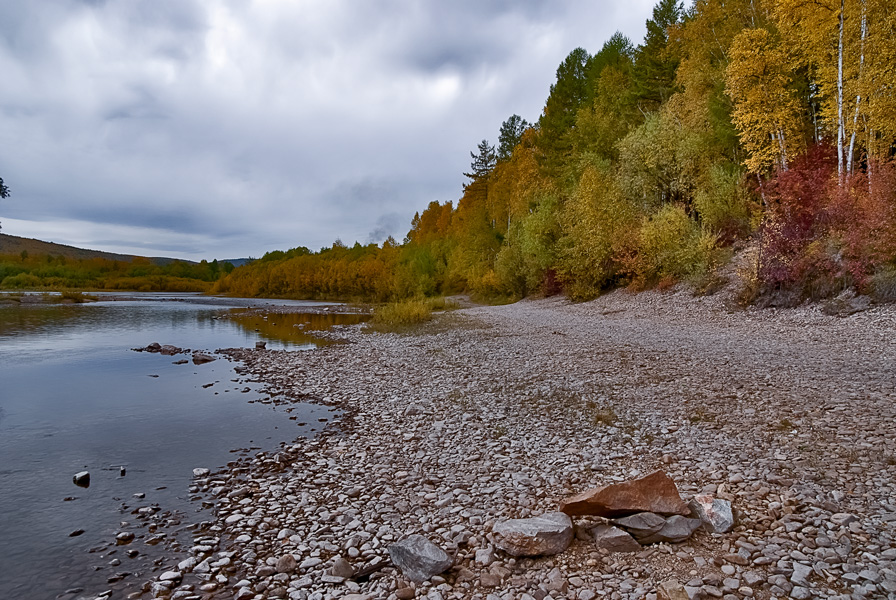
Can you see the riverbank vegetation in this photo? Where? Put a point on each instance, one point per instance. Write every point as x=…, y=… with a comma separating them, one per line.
x=760, y=124
x=734, y=123
x=53, y=272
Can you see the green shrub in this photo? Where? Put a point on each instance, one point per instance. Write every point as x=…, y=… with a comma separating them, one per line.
x=723, y=203
x=77, y=297
x=883, y=284
x=672, y=246
x=598, y=224
x=21, y=281
x=401, y=314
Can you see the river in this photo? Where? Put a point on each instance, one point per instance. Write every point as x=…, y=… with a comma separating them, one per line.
x=75, y=397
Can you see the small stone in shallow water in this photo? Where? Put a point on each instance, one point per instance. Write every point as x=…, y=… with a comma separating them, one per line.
x=82, y=479
x=125, y=537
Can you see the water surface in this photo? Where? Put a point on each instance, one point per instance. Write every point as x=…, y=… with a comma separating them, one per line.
x=74, y=397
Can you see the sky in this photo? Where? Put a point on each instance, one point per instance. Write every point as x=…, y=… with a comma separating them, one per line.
x=226, y=129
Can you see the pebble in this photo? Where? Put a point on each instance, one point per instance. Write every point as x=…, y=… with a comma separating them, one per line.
x=786, y=414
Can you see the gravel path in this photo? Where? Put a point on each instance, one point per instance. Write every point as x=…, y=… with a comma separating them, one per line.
x=500, y=412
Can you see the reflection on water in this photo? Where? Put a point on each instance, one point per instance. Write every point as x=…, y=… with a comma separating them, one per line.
x=292, y=328
x=74, y=397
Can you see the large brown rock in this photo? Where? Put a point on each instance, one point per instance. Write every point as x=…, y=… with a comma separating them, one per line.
x=654, y=493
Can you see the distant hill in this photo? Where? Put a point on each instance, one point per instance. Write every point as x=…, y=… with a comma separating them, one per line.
x=236, y=262
x=11, y=244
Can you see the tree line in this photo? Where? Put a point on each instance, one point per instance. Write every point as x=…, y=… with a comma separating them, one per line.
x=46, y=271
x=767, y=125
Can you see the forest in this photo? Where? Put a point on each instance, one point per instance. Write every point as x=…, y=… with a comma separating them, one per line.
x=760, y=127
x=763, y=124
x=24, y=271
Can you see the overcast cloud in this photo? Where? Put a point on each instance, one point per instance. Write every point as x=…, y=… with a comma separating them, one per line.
x=203, y=129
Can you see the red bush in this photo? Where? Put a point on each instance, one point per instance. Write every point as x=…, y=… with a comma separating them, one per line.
x=820, y=235
x=796, y=218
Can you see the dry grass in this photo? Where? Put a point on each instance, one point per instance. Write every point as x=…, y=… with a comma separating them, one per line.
x=403, y=315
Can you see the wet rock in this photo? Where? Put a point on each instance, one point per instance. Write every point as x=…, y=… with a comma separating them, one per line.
x=200, y=358
x=654, y=493
x=714, y=512
x=169, y=350
x=418, y=559
x=125, y=537
x=614, y=539
x=200, y=472
x=550, y=533
x=82, y=479
x=260, y=345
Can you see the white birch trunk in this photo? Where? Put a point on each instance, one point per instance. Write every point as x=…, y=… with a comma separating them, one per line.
x=855, y=118
x=841, y=132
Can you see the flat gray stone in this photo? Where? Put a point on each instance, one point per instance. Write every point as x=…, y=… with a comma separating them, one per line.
x=286, y=564
x=677, y=529
x=614, y=539
x=341, y=568
x=419, y=559
x=545, y=535
x=641, y=525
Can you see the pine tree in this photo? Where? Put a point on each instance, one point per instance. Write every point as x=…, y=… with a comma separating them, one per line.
x=656, y=60
x=570, y=92
x=511, y=132
x=483, y=162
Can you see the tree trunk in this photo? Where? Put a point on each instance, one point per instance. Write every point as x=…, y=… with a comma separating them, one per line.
x=841, y=132
x=855, y=118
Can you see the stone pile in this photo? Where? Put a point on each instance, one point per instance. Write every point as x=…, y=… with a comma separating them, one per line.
x=787, y=416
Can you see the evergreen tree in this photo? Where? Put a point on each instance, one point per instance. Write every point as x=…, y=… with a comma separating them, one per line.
x=483, y=162
x=4, y=191
x=511, y=132
x=656, y=60
x=570, y=92
x=617, y=52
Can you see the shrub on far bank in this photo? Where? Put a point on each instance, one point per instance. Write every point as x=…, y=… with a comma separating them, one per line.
x=396, y=316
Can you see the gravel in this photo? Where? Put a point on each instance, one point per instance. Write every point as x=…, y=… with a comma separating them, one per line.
x=493, y=413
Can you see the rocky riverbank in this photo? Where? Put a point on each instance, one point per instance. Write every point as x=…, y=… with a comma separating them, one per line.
x=492, y=413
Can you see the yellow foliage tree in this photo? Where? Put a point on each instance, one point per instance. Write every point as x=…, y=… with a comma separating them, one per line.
x=767, y=113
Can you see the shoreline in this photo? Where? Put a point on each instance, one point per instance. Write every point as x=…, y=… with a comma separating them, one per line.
x=500, y=412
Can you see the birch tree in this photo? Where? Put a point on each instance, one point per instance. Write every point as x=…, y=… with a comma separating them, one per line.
x=766, y=113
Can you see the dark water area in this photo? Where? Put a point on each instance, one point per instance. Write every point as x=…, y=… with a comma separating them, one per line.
x=75, y=397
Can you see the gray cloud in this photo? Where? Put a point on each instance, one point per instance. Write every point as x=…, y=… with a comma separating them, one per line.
x=233, y=128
